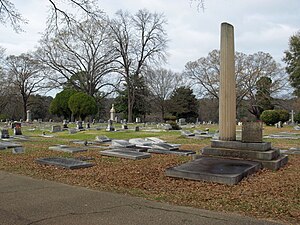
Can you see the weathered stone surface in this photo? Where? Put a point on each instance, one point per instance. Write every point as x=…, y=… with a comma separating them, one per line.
x=164, y=146
x=244, y=154
x=102, y=139
x=187, y=133
x=125, y=153
x=173, y=152
x=68, y=163
x=65, y=148
x=140, y=143
x=227, y=94
x=264, y=146
x=6, y=144
x=55, y=128
x=121, y=144
x=275, y=164
x=225, y=171
x=252, y=132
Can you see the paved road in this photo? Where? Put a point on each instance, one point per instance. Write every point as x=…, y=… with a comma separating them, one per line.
x=27, y=201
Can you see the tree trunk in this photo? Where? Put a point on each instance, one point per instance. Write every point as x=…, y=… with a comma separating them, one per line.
x=129, y=106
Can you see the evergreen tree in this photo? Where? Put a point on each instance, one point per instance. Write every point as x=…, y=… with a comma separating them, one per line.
x=292, y=59
x=183, y=104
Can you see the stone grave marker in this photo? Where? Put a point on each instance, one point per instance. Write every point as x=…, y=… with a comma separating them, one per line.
x=102, y=139
x=121, y=144
x=79, y=125
x=4, y=133
x=65, y=124
x=28, y=118
x=141, y=143
x=187, y=133
x=16, y=124
x=252, y=132
x=17, y=130
x=110, y=126
x=68, y=163
x=55, y=128
x=65, y=148
x=181, y=121
x=125, y=153
x=225, y=171
x=18, y=150
x=72, y=131
x=164, y=146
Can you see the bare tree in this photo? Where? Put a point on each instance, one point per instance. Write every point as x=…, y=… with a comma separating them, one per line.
x=59, y=12
x=9, y=14
x=249, y=70
x=80, y=55
x=25, y=76
x=162, y=83
x=140, y=40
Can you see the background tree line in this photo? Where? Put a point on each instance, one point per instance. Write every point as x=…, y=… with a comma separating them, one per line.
x=120, y=60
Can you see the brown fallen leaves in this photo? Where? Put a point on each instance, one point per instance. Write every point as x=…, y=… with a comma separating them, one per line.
x=266, y=194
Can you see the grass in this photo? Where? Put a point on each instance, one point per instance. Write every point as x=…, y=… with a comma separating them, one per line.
x=266, y=194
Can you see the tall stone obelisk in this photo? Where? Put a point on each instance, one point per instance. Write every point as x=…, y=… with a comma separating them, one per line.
x=227, y=94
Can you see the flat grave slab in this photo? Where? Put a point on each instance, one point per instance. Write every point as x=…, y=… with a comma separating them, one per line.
x=121, y=144
x=68, y=163
x=65, y=148
x=141, y=143
x=219, y=170
x=6, y=144
x=284, y=135
x=126, y=153
x=102, y=139
x=164, y=146
x=154, y=140
x=171, y=152
x=187, y=133
x=291, y=151
x=18, y=150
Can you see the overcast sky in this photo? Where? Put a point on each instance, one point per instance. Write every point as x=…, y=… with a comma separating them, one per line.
x=260, y=25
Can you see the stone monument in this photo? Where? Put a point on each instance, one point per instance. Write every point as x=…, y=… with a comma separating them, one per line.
x=112, y=113
x=28, y=117
x=227, y=96
x=4, y=133
x=227, y=160
x=110, y=126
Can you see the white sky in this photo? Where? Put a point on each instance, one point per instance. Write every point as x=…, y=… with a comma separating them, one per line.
x=260, y=25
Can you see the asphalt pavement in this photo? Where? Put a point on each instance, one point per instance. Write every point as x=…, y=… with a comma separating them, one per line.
x=28, y=201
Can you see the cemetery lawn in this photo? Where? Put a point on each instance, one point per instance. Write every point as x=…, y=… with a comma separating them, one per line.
x=266, y=194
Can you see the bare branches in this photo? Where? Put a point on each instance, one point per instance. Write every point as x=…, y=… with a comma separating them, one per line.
x=62, y=11
x=81, y=55
x=9, y=14
x=199, y=4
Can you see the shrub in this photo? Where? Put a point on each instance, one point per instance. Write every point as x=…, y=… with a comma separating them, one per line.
x=170, y=118
x=270, y=117
x=284, y=115
x=175, y=126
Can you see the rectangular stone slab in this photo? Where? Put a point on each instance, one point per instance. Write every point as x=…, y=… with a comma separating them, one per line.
x=219, y=170
x=126, y=154
x=7, y=144
x=245, y=154
x=63, y=148
x=264, y=146
x=174, y=152
x=68, y=163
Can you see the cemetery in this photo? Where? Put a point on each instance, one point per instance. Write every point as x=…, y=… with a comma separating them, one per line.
x=119, y=165
x=223, y=134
